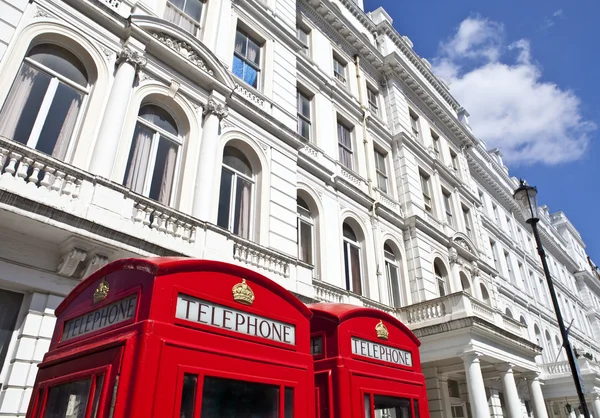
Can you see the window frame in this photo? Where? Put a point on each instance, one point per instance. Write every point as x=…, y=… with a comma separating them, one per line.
x=426, y=191
x=467, y=219
x=306, y=31
x=448, y=207
x=197, y=23
x=258, y=67
x=338, y=63
x=415, y=124
x=305, y=215
x=435, y=139
x=348, y=244
x=381, y=159
x=345, y=148
x=373, y=105
x=300, y=93
x=393, y=262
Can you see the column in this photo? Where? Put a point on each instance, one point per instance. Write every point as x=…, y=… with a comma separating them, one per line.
x=536, y=396
x=513, y=404
x=596, y=405
x=477, y=398
x=203, y=205
x=107, y=143
x=455, y=285
x=447, y=407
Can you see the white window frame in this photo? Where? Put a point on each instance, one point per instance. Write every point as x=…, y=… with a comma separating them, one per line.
x=426, y=190
x=184, y=15
x=511, y=273
x=415, y=124
x=373, y=100
x=348, y=245
x=260, y=43
x=158, y=132
x=301, y=29
x=381, y=170
x=441, y=281
x=340, y=69
x=454, y=161
x=435, y=139
x=231, y=215
x=344, y=147
x=301, y=94
x=448, y=207
x=391, y=261
x=306, y=217
x=467, y=218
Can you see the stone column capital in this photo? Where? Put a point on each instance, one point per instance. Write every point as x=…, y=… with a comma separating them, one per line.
x=505, y=367
x=132, y=57
x=215, y=108
x=471, y=356
x=531, y=375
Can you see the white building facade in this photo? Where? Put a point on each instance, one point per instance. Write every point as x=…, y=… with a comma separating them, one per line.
x=304, y=139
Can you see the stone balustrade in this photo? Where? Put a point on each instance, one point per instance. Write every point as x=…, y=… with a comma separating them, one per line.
x=260, y=257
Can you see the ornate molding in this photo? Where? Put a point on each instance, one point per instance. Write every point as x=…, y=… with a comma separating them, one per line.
x=143, y=76
x=474, y=269
x=248, y=95
x=70, y=261
x=213, y=107
x=184, y=49
x=131, y=57
x=453, y=256
x=39, y=12
x=107, y=51
x=96, y=262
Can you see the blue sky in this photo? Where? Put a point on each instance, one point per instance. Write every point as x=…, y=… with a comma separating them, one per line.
x=527, y=72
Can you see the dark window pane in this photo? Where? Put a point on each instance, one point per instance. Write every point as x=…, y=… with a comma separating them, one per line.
x=68, y=400
x=164, y=171
x=226, y=398
x=10, y=303
x=356, y=273
x=60, y=122
x=305, y=243
x=240, y=43
x=193, y=8
x=224, y=199
x=289, y=403
x=234, y=158
x=188, y=396
x=23, y=104
x=394, y=407
x=158, y=116
x=348, y=232
x=60, y=60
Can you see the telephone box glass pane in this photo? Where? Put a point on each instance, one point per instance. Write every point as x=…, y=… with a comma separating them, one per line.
x=68, y=400
x=227, y=398
x=188, y=395
x=390, y=407
x=416, y=408
x=97, y=393
x=289, y=403
x=367, y=406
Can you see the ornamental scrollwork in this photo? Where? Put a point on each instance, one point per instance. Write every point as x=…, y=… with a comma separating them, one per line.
x=132, y=57
x=184, y=49
x=215, y=108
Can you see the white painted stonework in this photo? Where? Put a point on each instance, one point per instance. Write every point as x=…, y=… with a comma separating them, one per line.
x=374, y=191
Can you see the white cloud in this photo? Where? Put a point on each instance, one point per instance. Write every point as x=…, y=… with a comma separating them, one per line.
x=511, y=107
x=558, y=13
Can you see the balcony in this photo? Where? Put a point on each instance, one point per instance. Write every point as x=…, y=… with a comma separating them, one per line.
x=456, y=306
x=327, y=292
x=57, y=195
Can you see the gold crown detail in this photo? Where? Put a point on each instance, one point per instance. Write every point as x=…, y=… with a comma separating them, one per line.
x=242, y=293
x=101, y=291
x=381, y=330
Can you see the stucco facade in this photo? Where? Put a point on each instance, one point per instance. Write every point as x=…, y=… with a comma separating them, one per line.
x=304, y=139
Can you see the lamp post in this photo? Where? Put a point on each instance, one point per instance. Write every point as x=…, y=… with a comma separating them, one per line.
x=526, y=197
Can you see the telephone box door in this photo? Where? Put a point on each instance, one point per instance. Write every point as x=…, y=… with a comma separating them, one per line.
x=387, y=398
x=79, y=388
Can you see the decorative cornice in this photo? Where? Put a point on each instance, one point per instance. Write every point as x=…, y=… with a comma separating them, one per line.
x=249, y=95
x=215, y=108
x=70, y=261
x=132, y=57
x=184, y=49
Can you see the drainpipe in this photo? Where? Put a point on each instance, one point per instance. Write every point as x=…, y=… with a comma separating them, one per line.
x=368, y=156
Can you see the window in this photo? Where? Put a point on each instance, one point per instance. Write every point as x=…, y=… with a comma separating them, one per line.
x=76, y=399
x=246, y=59
x=306, y=227
x=467, y=219
x=185, y=14
x=153, y=156
x=414, y=124
x=523, y=277
x=44, y=103
x=436, y=144
x=454, y=159
x=425, y=186
x=543, y=289
x=530, y=246
x=345, y=145
x=509, y=226
x=392, y=272
x=485, y=296
x=495, y=212
x=372, y=97
x=440, y=277
x=10, y=303
x=511, y=273
x=339, y=70
x=481, y=199
x=236, y=193
x=494, y=254
x=304, y=123
x=382, y=179
x=352, y=260
x=465, y=283
x=303, y=36
x=448, y=206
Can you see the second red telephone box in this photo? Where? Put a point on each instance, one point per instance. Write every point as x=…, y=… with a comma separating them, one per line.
x=367, y=364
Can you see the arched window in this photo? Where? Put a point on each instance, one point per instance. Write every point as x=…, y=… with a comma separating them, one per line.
x=441, y=276
x=559, y=350
x=236, y=193
x=538, y=335
x=153, y=156
x=523, y=322
x=306, y=231
x=550, y=347
x=485, y=296
x=44, y=103
x=352, y=260
x=393, y=275
x=465, y=283
x=508, y=313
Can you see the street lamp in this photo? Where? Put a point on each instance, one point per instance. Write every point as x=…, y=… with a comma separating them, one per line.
x=526, y=197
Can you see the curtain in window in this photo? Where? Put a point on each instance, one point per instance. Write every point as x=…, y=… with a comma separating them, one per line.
x=355, y=269
x=164, y=174
x=241, y=224
x=13, y=110
x=139, y=157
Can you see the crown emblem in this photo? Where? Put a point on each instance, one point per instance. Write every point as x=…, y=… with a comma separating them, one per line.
x=101, y=291
x=242, y=293
x=381, y=330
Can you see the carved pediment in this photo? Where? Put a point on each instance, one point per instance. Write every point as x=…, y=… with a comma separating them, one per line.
x=460, y=241
x=184, y=49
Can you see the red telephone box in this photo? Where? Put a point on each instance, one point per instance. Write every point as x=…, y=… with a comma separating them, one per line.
x=181, y=338
x=367, y=364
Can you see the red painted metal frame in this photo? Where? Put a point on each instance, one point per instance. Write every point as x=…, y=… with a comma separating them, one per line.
x=155, y=348
x=353, y=376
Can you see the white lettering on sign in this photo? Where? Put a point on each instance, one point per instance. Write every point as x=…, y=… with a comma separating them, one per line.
x=381, y=352
x=208, y=313
x=106, y=316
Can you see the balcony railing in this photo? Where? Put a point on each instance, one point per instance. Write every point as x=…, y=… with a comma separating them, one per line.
x=456, y=306
x=327, y=292
x=50, y=183
x=562, y=368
